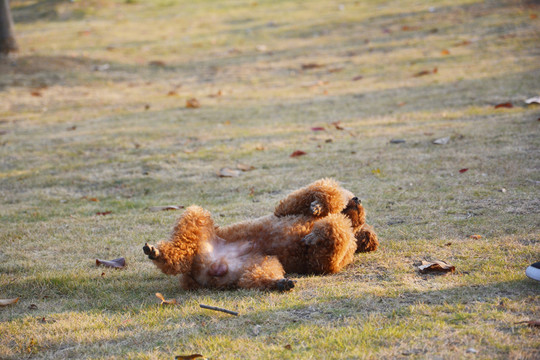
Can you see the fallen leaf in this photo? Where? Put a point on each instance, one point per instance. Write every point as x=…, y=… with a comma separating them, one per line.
x=157, y=63
x=504, y=105
x=533, y=16
x=260, y=148
x=442, y=141
x=356, y=78
x=310, y=66
x=193, y=103
x=337, y=125
x=36, y=93
x=531, y=323
x=103, y=213
x=227, y=172
x=165, y=302
x=146, y=106
x=6, y=302
x=318, y=128
x=298, y=153
x=408, y=28
x=32, y=307
x=288, y=347
x=448, y=244
x=166, y=208
x=376, y=171
x=119, y=263
x=435, y=266
x=425, y=72
x=461, y=171
x=172, y=93
x=188, y=357
x=71, y=128
x=90, y=199
x=244, y=167
x=445, y=52
x=476, y=237
x=397, y=141
x=532, y=100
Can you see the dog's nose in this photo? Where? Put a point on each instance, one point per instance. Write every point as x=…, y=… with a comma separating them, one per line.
x=356, y=200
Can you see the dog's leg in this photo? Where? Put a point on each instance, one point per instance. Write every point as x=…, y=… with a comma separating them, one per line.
x=318, y=199
x=265, y=273
x=330, y=245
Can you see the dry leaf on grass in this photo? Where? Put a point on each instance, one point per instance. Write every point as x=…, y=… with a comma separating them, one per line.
x=532, y=100
x=244, y=167
x=288, y=347
x=193, y=103
x=165, y=302
x=103, y=213
x=90, y=198
x=6, y=302
x=445, y=52
x=318, y=128
x=442, y=141
x=188, y=357
x=504, y=105
x=435, y=267
x=166, y=208
x=310, y=66
x=228, y=172
x=337, y=125
x=298, y=153
x=356, y=78
x=119, y=263
x=157, y=63
x=476, y=237
x=426, y=72
x=36, y=93
x=461, y=171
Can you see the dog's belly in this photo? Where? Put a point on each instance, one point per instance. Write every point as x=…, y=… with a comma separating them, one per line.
x=271, y=235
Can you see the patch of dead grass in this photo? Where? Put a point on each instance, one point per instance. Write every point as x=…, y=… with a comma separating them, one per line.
x=114, y=134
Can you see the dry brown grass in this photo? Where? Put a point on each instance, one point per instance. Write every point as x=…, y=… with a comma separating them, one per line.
x=117, y=136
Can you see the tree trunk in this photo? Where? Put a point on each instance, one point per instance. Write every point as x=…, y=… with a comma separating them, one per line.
x=7, y=37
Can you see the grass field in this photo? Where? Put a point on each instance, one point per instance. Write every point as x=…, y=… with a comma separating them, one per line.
x=93, y=119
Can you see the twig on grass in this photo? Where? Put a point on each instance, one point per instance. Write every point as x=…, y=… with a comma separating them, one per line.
x=219, y=309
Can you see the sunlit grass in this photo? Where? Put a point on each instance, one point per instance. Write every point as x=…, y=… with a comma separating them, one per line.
x=80, y=138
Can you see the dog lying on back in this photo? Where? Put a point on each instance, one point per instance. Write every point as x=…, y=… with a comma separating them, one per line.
x=314, y=230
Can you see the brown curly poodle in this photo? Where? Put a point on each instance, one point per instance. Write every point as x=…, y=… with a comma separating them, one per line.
x=314, y=230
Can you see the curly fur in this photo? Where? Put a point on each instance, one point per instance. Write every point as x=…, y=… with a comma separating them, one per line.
x=314, y=230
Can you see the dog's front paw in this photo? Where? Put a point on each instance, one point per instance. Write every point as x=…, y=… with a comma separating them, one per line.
x=316, y=208
x=310, y=239
x=285, y=284
x=151, y=251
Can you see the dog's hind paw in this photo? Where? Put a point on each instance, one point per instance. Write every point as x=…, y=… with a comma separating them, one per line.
x=151, y=251
x=285, y=284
